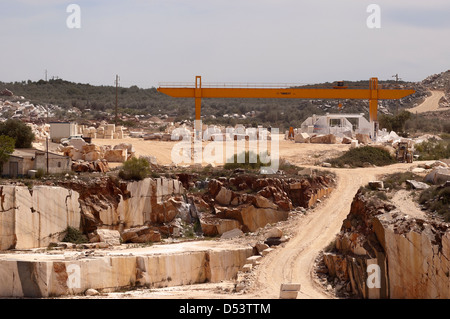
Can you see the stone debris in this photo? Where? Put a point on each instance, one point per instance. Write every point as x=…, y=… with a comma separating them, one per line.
x=417, y=185
x=91, y=292
x=236, y=232
x=289, y=291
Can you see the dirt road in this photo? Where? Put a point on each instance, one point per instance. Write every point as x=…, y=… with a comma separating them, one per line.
x=294, y=263
x=430, y=104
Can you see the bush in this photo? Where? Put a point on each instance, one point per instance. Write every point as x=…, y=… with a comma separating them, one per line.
x=433, y=149
x=361, y=156
x=232, y=163
x=437, y=199
x=74, y=236
x=135, y=169
x=396, y=180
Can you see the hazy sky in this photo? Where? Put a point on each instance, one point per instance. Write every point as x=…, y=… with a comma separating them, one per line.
x=152, y=41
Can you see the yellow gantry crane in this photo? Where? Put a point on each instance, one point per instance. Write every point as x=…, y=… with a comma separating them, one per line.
x=339, y=92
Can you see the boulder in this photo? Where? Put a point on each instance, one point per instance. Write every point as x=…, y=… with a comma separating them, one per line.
x=108, y=236
x=224, y=196
x=302, y=138
x=363, y=138
x=274, y=233
x=236, y=232
x=417, y=185
x=262, y=202
x=116, y=156
x=92, y=156
x=142, y=234
x=324, y=139
x=438, y=176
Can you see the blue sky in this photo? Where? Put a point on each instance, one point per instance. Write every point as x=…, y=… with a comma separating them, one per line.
x=291, y=41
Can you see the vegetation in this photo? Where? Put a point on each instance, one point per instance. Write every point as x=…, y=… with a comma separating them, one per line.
x=18, y=130
x=6, y=149
x=395, y=123
x=135, y=169
x=245, y=160
x=363, y=156
x=434, y=149
x=74, y=236
x=98, y=102
x=437, y=199
x=396, y=180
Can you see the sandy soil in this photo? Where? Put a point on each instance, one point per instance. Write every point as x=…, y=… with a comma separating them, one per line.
x=403, y=201
x=300, y=153
x=430, y=104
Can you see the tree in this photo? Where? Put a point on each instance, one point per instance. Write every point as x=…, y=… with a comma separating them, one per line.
x=6, y=149
x=19, y=131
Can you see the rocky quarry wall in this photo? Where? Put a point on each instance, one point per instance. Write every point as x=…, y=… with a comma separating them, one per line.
x=31, y=218
x=250, y=202
x=412, y=254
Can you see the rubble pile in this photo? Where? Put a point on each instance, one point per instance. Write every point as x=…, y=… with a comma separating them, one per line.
x=78, y=150
x=26, y=110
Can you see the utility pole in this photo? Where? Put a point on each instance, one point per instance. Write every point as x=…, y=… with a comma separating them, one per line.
x=46, y=139
x=396, y=85
x=117, y=98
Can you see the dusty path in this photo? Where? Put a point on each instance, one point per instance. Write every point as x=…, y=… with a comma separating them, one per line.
x=294, y=262
x=430, y=104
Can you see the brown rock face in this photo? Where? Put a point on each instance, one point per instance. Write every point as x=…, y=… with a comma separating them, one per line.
x=255, y=202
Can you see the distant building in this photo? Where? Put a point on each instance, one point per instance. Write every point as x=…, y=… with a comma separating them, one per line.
x=24, y=160
x=62, y=130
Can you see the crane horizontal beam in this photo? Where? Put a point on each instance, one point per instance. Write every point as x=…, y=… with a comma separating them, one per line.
x=288, y=93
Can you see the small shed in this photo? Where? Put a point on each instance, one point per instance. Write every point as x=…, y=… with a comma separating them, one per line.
x=24, y=160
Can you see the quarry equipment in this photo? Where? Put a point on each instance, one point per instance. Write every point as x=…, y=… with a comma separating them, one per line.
x=339, y=92
x=404, y=152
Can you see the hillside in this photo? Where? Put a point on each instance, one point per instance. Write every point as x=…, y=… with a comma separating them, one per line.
x=84, y=102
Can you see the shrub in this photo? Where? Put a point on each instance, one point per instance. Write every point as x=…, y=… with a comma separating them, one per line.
x=359, y=157
x=74, y=236
x=437, y=199
x=135, y=169
x=396, y=180
x=232, y=163
x=433, y=149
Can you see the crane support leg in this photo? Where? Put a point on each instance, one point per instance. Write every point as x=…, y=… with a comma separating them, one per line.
x=373, y=108
x=198, y=107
